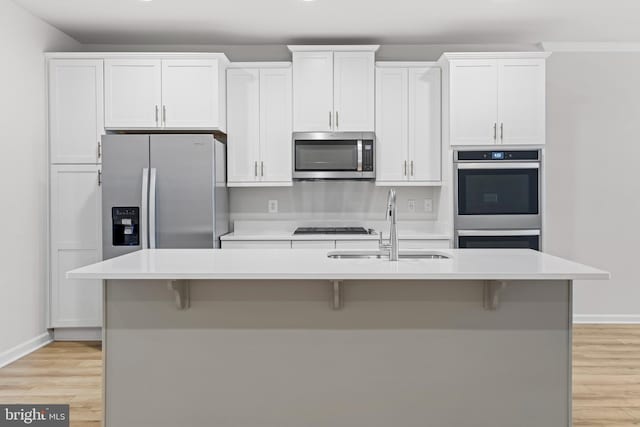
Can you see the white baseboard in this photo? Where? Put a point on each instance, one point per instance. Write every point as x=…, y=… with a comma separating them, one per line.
x=606, y=318
x=77, y=334
x=23, y=349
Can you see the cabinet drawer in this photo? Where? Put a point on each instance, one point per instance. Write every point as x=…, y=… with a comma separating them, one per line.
x=256, y=244
x=313, y=244
x=357, y=244
x=425, y=244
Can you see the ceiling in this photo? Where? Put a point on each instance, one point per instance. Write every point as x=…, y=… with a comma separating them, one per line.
x=341, y=21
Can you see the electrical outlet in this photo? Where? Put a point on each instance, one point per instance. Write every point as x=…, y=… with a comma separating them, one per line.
x=273, y=206
x=428, y=205
x=411, y=206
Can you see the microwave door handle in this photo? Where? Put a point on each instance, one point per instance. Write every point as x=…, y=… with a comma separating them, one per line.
x=359, y=155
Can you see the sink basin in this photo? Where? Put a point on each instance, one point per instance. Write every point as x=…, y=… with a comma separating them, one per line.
x=385, y=255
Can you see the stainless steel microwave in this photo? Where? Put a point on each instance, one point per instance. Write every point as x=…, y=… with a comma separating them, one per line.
x=335, y=155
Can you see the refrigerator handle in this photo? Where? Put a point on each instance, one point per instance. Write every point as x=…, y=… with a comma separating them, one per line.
x=145, y=204
x=152, y=209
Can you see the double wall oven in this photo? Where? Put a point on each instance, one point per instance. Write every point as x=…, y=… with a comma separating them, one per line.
x=498, y=198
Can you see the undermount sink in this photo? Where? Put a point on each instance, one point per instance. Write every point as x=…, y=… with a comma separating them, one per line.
x=385, y=255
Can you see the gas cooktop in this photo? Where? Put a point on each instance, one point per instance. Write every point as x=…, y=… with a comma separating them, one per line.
x=331, y=230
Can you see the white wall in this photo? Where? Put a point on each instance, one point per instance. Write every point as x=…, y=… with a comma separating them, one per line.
x=23, y=39
x=593, y=148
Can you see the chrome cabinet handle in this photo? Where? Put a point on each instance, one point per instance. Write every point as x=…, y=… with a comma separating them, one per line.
x=329, y=119
x=495, y=131
x=99, y=177
x=502, y=132
x=164, y=115
x=261, y=168
x=337, y=121
x=405, y=168
x=99, y=150
x=156, y=115
x=255, y=168
x=411, y=167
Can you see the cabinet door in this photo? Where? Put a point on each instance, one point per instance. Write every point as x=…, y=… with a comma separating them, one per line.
x=312, y=91
x=391, y=124
x=275, y=125
x=354, y=91
x=243, y=125
x=424, y=124
x=132, y=93
x=76, y=110
x=76, y=240
x=521, y=101
x=190, y=94
x=473, y=102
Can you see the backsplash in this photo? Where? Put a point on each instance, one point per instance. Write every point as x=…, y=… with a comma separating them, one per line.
x=320, y=200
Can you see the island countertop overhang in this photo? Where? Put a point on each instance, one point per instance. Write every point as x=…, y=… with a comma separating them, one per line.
x=313, y=264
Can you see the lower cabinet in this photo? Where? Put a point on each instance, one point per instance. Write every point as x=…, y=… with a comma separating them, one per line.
x=333, y=244
x=76, y=240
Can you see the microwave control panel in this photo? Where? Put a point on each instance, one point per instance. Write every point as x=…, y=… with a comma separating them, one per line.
x=367, y=156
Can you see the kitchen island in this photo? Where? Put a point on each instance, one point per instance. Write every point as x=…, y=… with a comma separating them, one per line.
x=284, y=338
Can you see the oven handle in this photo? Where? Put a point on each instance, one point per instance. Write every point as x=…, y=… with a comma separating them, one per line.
x=359, y=155
x=498, y=165
x=498, y=232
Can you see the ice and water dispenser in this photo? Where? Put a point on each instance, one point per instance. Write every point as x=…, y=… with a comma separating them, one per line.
x=125, y=222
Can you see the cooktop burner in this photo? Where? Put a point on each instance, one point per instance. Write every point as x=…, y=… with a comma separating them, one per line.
x=331, y=230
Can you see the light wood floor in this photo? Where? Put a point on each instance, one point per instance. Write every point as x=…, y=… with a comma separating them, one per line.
x=606, y=389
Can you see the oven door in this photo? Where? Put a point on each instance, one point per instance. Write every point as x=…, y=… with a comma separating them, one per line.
x=497, y=195
x=492, y=239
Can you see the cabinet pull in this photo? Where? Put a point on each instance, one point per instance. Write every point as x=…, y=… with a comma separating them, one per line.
x=337, y=120
x=495, y=131
x=99, y=150
x=329, y=119
x=164, y=115
x=502, y=132
x=405, y=168
x=261, y=168
x=411, y=167
x=156, y=115
x=255, y=168
x=99, y=177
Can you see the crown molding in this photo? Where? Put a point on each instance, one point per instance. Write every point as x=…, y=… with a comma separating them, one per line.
x=260, y=64
x=132, y=55
x=590, y=47
x=334, y=48
x=495, y=55
x=406, y=64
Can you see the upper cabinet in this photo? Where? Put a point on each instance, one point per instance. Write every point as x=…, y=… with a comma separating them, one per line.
x=495, y=98
x=408, y=129
x=76, y=114
x=165, y=93
x=259, y=124
x=333, y=88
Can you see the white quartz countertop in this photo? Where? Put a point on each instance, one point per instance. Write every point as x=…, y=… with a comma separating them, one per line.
x=256, y=264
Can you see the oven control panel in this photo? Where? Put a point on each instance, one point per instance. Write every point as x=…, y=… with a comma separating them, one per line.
x=493, y=156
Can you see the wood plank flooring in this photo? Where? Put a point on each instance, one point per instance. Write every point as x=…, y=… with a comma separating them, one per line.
x=606, y=377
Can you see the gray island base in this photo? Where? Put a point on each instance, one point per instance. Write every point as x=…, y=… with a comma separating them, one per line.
x=188, y=345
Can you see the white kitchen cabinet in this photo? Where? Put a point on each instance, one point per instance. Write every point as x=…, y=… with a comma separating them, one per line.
x=76, y=110
x=133, y=93
x=408, y=125
x=333, y=88
x=259, y=125
x=496, y=98
x=165, y=93
x=313, y=91
x=193, y=94
x=256, y=244
x=313, y=244
x=76, y=240
x=354, y=91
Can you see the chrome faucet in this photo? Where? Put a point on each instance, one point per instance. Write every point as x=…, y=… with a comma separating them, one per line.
x=391, y=214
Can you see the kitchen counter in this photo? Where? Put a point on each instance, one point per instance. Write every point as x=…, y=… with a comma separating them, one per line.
x=245, y=264
x=285, y=338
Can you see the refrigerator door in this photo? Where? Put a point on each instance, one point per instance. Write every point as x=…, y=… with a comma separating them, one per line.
x=125, y=163
x=182, y=186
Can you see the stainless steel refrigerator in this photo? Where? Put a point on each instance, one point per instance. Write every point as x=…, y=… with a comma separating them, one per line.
x=163, y=191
